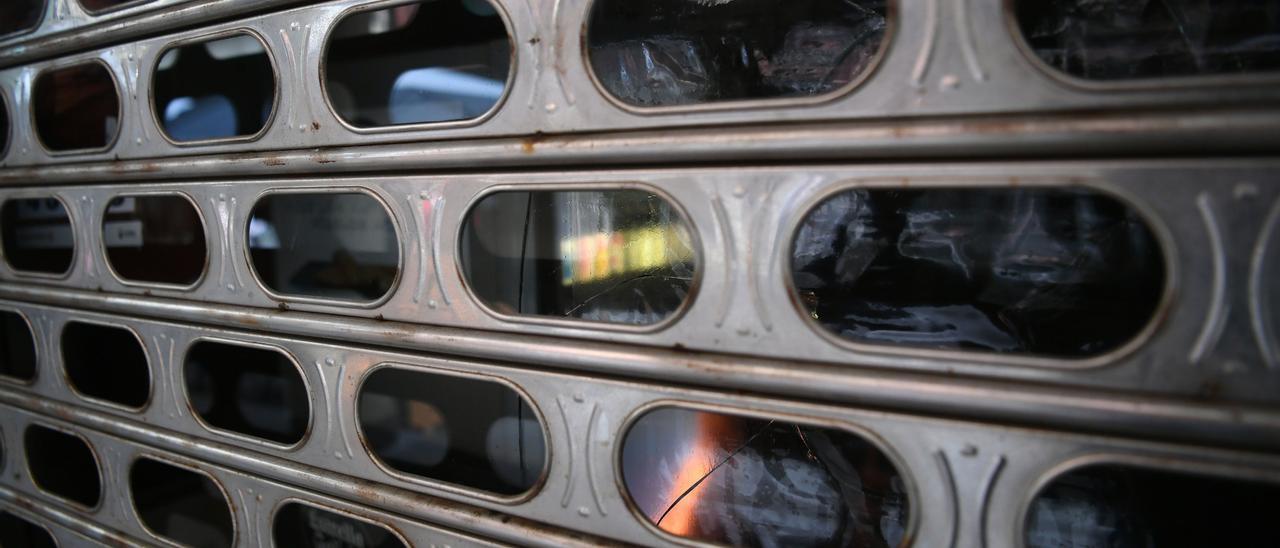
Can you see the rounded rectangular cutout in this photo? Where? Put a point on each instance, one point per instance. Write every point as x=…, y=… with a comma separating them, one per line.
x=298, y=524
x=180, y=505
x=217, y=89
x=18, y=16
x=18, y=531
x=77, y=108
x=744, y=481
x=106, y=363
x=1116, y=41
x=614, y=256
x=460, y=430
x=63, y=465
x=324, y=245
x=1060, y=272
x=1126, y=505
x=665, y=53
x=17, y=347
x=254, y=391
x=155, y=239
x=37, y=235
x=422, y=62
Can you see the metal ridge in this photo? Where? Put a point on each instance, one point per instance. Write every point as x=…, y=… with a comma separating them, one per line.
x=1059, y=407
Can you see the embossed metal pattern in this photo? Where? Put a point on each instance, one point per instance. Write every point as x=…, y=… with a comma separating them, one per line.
x=957, y=470
x=745, y=219
x=954, y=101
x=955, y=57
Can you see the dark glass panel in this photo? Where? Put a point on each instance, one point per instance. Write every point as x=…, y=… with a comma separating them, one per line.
x=334, y=246
x=20, y=15
x=17, y=347
x=680, y=52
x=473, y=433
x=156, y=239
x=305, y=525
x=1058, y=272
x=106, y=363
x=1121, y=506
x=617, y=256
x=745, y=481
x=181, y=505
x=63, y=465
x=1126, y=39
x=249, y=390
x=76, y=108
x=17, y=531
x=216, y=89
x=37, y=235
x=422, y=62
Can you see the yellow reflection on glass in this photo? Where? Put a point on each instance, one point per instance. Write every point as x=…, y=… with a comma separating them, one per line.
x=601, y=256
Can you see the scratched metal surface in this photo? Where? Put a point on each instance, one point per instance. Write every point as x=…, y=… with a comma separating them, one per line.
x=968, y=482
x=66, y=26
x=1212, y=337
x=953, y=101
x=943, y=59
x=253, y=499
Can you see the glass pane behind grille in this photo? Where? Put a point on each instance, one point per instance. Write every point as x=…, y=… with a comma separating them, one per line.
x=1122, y=506
x=757, y=482
x=459, y=430
x=620, y=256
x=659, y=53
x=417, y=63
x=1057, y=272
x=1124, y=39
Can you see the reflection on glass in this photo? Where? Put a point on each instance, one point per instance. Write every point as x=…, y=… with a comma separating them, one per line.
x=1059, y=272
x=20, y=15
x=17, y=347
x=1122, y=39
x=248, y=390
x=17, y=531
x=106, y=363
x=216, y=89
x=617, y=256
x=754, y=482
x=335, y=246
x=63, y=465
x=431, y=61
x=678, y=52
x=76, y=108
x=473, y=433
x=1123, y=506
x=299, y=524
x=37, y=235
x=180, y=505
x=154, y=239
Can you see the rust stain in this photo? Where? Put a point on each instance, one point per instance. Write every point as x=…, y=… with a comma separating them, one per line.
x=315, y=126
x=273, y=161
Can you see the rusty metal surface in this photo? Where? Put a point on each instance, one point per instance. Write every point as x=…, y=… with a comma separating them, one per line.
x=66, y=27
x=1212, y=220
x=553, y=92
x=954, y=102
x=961, y=501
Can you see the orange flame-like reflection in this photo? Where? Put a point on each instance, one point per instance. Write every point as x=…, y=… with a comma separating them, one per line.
x=714, y=436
